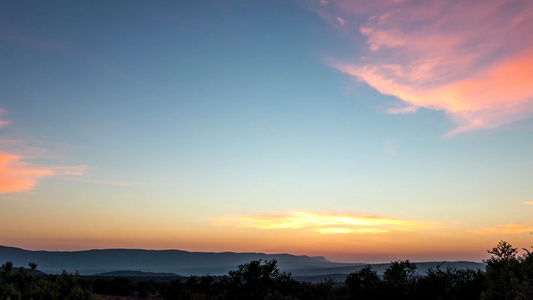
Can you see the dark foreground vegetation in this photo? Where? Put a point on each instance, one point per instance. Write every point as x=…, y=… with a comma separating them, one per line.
x=508, y=275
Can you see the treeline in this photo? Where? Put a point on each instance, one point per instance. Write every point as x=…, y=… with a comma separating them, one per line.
x=508, y=275
x=19, y=283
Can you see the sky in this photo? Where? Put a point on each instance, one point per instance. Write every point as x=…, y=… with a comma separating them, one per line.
x=361, y=131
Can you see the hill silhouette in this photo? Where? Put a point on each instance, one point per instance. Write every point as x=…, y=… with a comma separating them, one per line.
x=90, y=262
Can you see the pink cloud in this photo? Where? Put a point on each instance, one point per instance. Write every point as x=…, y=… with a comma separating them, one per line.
x=471, y=59
x=340, y=20
x=17, y=176
x=3, y=122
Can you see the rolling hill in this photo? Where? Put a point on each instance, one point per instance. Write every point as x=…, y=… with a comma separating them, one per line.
x=186, y=263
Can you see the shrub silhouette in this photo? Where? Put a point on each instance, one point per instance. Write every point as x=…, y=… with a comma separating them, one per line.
x=450, y=284
x=21, y=285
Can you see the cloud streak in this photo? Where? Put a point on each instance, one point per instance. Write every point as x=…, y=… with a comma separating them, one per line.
x=106, y=182
x=3, y=122
x=325, y=223
x=512, y=228
x=59, y=47
x=17, y=176
x=470, y=59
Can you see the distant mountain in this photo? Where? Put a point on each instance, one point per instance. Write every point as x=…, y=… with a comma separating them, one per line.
x=35, y=273
x=186, y=263
x=157, y=261
x=135, y=274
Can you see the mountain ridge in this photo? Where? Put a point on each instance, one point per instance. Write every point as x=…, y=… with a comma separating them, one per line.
x=159, y=261
x=186, y=263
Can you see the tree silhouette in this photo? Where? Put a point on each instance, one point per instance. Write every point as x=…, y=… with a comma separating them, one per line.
x=255, y=280
x=503, y=251
x=508, y=275
x=399, y=279
x=17, y=283
x=363, y=284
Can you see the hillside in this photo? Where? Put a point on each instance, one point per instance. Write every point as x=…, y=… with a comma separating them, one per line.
x=157, y=261
x=186, y=263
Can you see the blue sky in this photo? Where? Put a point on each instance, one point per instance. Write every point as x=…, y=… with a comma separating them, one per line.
x=158, y=120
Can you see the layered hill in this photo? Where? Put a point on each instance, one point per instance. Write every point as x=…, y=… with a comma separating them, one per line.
x=186, y=263
x=157, y=261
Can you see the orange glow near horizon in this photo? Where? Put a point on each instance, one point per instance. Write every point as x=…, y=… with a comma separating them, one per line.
x=337, y=237
x=386, y=246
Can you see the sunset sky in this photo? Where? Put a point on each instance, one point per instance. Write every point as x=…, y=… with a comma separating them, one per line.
x=362, y=131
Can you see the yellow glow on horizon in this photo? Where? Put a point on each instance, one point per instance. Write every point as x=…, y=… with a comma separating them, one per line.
x=349, y=230
x=324, y=222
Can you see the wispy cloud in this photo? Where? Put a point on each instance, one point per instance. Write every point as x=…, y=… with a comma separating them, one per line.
x=105, y=182
x=2, y=121
x=529, y=202
x=325, y=223
x=41, y=42
x=471, y=59
x=73, y=170
x=340, y=20
x=17, y=175
x=391, y=148
x=507, y=228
